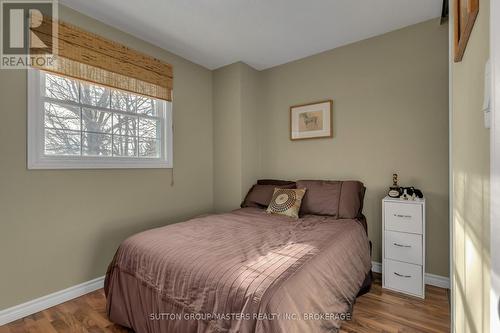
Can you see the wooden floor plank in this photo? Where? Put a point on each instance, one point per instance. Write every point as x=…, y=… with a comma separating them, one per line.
x=379, y=311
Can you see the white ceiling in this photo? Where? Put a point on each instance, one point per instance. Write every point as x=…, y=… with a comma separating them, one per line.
x=261, y=33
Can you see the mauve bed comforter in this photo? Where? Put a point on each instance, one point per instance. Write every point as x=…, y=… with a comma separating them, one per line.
x=245, y=271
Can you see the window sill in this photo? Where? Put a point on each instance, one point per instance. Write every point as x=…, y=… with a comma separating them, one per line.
x=115, y=163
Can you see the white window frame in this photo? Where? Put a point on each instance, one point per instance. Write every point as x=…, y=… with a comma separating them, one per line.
x=35, y=140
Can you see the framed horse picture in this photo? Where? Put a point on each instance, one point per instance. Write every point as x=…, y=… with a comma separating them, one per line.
x=311, y=121
x=465, y=13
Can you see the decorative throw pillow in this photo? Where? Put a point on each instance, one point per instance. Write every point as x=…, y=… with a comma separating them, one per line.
x=286, y=202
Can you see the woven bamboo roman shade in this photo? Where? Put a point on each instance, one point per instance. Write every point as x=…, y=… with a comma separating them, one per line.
x=86, y=56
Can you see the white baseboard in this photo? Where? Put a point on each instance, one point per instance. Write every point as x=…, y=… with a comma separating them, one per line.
x=377, y=267
x=45, y=302
x=430, y=279
x=437, y=280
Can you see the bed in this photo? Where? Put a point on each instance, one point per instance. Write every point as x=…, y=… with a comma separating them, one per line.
x=243, y=271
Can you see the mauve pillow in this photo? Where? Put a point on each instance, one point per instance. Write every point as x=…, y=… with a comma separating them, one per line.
x=322, y=197
x=260, y=195
x=274, y=182
x=339, y=199
x=351, y=199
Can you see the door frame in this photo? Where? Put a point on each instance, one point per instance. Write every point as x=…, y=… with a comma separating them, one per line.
x=495, y=167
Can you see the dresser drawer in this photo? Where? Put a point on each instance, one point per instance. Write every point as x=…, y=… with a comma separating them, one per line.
x=403, y=277
x=403, y=217
x=403, y=247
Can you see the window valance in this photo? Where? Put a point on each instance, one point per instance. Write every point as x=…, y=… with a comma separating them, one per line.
x=87, y=56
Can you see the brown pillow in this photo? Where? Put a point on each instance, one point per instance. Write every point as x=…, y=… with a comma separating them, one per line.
x=277, y=182
x=322, y=197
x=340, y=199
x=260, y=195
x=286, y=202
x=351, y=199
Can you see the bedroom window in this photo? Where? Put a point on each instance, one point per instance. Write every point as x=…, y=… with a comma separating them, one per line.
x=74, y=124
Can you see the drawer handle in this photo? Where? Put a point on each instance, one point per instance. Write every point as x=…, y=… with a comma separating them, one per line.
x=401, y=245
x=403, y=276
x=403, y=216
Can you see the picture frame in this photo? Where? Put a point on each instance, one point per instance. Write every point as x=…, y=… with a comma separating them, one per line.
x=311, y=120
x=465, y=13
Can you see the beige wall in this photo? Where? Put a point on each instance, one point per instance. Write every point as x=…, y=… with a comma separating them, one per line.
x=237, y=136
x=61, y=228
x=470, y=174
x=252, y=112
x=227, y=137
x=390, y=115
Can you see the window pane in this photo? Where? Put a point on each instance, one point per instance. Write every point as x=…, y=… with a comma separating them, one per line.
x=123, y=101
x=96, y=144
x=95, y=95
x=88, y=120
x=147, y=106
x=62, y=116
x=149, y=128
x=149, y=148
x=124, y=125
x=124, y=146
x=96, y=121
x=60, y=142
x=62, y=88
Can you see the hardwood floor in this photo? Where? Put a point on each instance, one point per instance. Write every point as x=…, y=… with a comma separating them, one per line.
x=378, y=311
x=382, y=310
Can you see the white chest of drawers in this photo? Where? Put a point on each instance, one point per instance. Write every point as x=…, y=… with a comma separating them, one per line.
x=403, y=246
